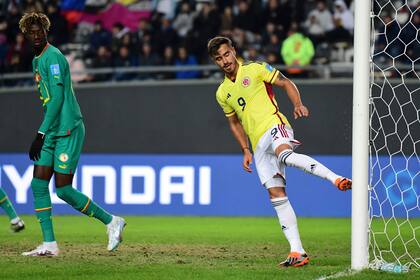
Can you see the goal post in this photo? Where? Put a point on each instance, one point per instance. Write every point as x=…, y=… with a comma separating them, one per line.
x=386, y=136
x=360, y=136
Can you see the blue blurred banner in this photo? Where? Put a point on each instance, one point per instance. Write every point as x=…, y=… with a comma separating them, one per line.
x=212, y=185
x=180, y=185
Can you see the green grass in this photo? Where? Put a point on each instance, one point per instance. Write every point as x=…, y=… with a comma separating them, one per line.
x=181, y=248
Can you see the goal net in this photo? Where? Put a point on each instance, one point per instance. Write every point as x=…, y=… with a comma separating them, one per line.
x=394, y=178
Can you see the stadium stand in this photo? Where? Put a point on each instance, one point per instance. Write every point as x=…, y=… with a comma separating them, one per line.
x=136, y=33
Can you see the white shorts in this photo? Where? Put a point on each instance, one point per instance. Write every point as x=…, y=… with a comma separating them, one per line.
x=271, y=173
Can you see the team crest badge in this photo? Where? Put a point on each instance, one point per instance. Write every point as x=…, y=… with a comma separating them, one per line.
x=246, y=82
x=63, y=157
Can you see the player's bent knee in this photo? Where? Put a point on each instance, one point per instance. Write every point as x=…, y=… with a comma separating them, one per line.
x=284, y=155
x=62, y=180
x=43, y=172
x=277, y=192
x=281, y=148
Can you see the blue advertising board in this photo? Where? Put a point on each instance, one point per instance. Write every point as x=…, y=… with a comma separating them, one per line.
x=205, y=185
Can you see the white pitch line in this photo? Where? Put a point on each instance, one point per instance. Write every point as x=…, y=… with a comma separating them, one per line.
x=348, y=272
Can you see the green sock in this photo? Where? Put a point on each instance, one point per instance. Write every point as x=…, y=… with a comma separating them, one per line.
x=42, y=203
x=7, y=205
x=83, y=204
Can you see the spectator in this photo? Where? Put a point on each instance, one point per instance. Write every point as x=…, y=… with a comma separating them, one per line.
x=29, y=6
x=319, y=22
x=273, y=47
x=124, y=59
x=127, y=41
x=270, y=29
x=4, y=48
x=339, y=34
x=340, y=40
x=100, y=36
x=183, y=22
x=147, y=58
x=18, y=60
x=58, y=34
x=206, y=25
x=102, y=60
x=165, y=35
x=243, y=20
x=165, y=7
x=167, y=60
x=118, y=31
x=344, y=14
x=323, y=16
x=19, y=56
x=143, y=33
x=185, y=59
x=279, y=14
x=12, y=17
x=226, y=21
x=297, y=50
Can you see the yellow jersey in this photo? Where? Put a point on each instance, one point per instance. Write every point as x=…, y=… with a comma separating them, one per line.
x=251, y=98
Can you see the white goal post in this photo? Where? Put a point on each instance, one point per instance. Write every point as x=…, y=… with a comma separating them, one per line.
x=360, y=138
x=386, y=136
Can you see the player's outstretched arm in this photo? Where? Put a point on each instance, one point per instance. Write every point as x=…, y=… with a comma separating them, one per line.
x=240, y=135
x=292, y=91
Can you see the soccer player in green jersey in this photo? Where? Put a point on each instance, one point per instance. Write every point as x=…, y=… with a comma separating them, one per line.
x=16, y=223
x=58, y=143
x=248, y=101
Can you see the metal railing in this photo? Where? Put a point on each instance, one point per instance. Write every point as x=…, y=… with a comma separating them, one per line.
x=334, y=70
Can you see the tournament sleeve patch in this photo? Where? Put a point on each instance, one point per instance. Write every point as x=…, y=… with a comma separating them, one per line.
x=269, y=67
x=55, y=69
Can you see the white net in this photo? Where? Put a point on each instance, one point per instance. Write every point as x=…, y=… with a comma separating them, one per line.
x=394, y=195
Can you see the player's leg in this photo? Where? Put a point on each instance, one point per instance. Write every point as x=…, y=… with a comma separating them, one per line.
x=288, y=222
x=285, y=154
x=78, y=200
x=272, y=176
x=67, y=155
x=16, y=223
x=85, y=205
x=42, y=205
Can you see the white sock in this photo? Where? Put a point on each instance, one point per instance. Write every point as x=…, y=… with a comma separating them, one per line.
x=307, y=164
x=15, y=220
x=51, y=245
x=288, y=223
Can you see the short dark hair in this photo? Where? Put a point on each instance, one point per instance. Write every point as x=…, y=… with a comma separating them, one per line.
x=214, y=44
x=29, y=19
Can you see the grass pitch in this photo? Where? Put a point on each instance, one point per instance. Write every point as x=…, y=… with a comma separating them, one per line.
x=181, y=248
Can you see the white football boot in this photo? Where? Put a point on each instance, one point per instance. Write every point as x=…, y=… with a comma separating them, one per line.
x=46, y=249
x=114, y=230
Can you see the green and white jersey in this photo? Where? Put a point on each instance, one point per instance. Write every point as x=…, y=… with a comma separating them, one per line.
x=52, y=76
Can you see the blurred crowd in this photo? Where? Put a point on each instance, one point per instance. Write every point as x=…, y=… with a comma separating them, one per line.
x=170, y=32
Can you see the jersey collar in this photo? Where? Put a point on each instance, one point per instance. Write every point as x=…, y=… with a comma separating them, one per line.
x=237, y=74
x=45, y=48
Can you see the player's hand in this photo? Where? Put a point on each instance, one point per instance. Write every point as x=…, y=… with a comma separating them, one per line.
x=36, y=147
x=247, y=160
x=300, y=111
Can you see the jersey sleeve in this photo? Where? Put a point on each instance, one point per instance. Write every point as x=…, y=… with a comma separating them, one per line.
x=268, y=73
x=55, y=70
x=227, y=109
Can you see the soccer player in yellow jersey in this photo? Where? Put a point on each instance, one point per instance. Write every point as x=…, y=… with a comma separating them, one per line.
x=247, y=99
